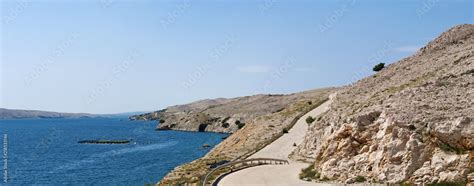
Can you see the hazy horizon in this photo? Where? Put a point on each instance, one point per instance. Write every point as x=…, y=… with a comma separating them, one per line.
x=117, y=56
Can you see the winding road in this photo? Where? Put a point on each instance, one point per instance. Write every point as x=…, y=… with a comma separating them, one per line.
x=275, y=175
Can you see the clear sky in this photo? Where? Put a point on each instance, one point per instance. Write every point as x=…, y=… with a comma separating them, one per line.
x=112, y=56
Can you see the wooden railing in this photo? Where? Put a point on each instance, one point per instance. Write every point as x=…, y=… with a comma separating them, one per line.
x=239, y=165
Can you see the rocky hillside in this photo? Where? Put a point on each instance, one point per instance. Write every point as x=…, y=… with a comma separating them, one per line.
x=224, y=115
x=411, y=122
x=256, y=134
x=24, y=114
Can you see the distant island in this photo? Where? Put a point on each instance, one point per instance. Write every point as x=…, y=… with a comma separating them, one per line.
x=37, y=114
x=31, y=114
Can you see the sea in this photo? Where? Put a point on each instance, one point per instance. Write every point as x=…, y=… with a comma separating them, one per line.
x=47, y=152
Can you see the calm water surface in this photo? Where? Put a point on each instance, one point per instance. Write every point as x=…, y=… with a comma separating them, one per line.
x=46, y=152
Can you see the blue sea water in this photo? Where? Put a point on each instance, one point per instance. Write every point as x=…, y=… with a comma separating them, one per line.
x=47, y=152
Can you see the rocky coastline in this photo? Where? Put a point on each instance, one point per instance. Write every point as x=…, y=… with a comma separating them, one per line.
x=411, y=122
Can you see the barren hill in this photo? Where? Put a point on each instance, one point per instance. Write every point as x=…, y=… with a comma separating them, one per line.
x=225, y=115
x=411, y=122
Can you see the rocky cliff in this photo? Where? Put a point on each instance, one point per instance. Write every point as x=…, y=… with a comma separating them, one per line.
x=224, y=115
x=411, y=122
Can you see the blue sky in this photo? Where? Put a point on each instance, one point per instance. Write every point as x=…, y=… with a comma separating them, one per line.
x=113, y=56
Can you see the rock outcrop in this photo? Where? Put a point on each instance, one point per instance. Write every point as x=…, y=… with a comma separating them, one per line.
x=411, y=122
x=224, y=115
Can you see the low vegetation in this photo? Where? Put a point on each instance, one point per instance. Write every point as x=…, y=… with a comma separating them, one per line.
x=379, y=67
x=309, y=173
x=239, y=124
x=447, y=184
x=310, y=120
x=447, y=148
x=412, y=83
x=225, y=120
x=324, y=178
x=360, y=179
x=225, y=125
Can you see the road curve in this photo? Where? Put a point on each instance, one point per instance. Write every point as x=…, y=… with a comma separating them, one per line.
x=275, y=175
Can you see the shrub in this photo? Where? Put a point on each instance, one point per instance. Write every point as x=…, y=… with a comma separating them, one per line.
x=447, y=148
x=162, y=121
x=225, y=120
x=309, y=173
x=225, y=125
x=406, y=184
x=241, y=125
x=325, y=179
x=309, y=120
x=310, y=102
x=447, y=184
x=379, y=67
x=285, y=130
x=360, y=179
x=279, y=110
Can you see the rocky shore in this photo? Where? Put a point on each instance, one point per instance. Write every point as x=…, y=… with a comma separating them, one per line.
x=225, y=115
